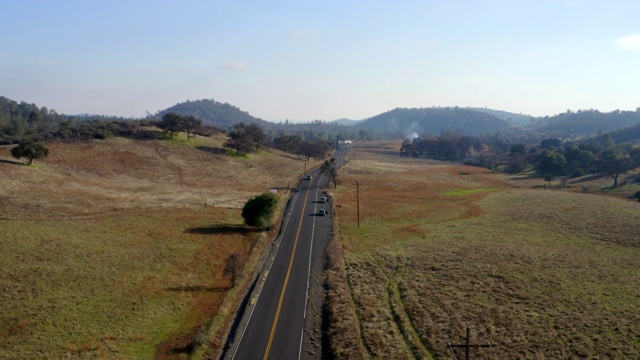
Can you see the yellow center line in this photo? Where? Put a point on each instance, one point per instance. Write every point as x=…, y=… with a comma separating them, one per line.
x=286, y=280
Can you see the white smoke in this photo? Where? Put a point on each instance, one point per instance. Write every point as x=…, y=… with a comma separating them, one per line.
x=412, y=131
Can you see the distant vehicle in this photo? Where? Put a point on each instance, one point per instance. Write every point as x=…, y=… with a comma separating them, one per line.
x=322, y=200
x=321, y=212
x=308, y=177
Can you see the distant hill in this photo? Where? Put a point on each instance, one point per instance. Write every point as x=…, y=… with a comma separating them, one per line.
x=406, y=122
x=211, y=112
x=626, y=135
x=584, y=122
x=513, y=118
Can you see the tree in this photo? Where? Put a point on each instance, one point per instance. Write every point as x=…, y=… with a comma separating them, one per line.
x=550, y=143
x=189, y=124
x=329, y=168
x=405, y=149
x=615, y=162
x=30, y=150
x=517, y=150
x=171, y=122
x=233, y=267
x=287, y=143
x=551, y=162
x=635, y=156
x=259, y=211
x=239, y=139
x=316, y=149
x=578, y=158
x=256, y=136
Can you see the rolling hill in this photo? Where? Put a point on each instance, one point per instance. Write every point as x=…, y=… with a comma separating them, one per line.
x=513, y=118
x=215, y=113
x=434, y=121
x=584, y=122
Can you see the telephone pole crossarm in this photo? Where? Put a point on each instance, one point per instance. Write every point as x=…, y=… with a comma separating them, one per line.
x=468, y=345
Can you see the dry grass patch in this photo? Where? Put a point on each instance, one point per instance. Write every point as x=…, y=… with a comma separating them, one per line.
x=123, y=284
x=543, y=274
x=118, y=174
x=108, y=251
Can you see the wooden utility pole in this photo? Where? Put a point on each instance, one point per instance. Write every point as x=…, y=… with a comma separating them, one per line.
x=358, y=199
x=467, y=345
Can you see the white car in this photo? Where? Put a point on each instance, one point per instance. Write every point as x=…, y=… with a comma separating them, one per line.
x=321, y=212
x=308, y=177
x=323, y=200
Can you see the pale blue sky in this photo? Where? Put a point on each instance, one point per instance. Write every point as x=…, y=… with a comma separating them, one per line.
x=306, y=60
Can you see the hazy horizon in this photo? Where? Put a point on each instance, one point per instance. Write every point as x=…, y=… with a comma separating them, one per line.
x=302, y=61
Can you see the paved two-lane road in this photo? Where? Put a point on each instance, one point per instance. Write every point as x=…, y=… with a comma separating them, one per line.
x=275, y=319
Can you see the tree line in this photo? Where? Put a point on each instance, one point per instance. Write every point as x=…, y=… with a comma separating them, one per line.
x=550, y=158
x=596, y=156
x=24, y=121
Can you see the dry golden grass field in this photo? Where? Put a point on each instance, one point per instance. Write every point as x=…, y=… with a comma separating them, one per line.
x=540, y=274
x=107, y=250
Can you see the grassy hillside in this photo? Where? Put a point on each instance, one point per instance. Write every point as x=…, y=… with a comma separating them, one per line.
x=543, y=274
x=108, y=251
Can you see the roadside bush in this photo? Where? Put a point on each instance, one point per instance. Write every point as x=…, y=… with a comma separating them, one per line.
x=260, y=210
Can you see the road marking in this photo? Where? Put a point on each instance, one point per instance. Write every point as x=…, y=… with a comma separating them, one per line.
x=306, y=295
x=286, y=279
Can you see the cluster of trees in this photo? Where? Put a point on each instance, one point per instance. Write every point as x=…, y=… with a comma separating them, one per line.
x=554, y=158
x=449, y=147
x=24, y=121
x=172, y=123
x=329, y=167
x=246, y=138
x=294, y=144
x=475, y=150
x=551, y=157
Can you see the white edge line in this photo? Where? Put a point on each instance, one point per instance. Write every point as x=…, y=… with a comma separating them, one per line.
x=306, y=297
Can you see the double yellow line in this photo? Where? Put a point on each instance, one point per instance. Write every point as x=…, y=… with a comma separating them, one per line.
x=286, y=279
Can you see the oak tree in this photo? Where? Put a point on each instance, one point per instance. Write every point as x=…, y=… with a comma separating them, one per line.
x=30, y=150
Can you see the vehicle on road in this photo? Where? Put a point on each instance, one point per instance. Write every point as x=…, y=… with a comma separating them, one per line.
x=308, y=177
x=323, y=200
x=321, y=212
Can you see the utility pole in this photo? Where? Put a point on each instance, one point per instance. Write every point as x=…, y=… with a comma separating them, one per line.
x=467, y=345
x=358, y=199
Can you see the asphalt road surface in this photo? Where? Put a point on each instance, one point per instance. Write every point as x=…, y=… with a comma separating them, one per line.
x=274, y=319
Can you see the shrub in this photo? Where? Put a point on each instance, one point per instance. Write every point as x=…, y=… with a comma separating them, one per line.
x=260, y=210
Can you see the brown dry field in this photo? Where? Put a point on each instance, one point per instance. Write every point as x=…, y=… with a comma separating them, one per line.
x=108, y=251
x=540, y=274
